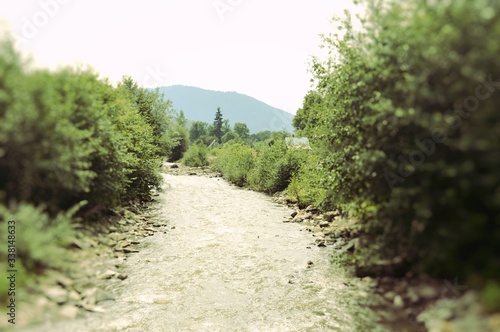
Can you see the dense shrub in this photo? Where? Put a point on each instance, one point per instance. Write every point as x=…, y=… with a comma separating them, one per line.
x=196, y=155
x=306, y=185
x=235, y=161
x=179, y=138
x=68, y=136
x=274, y=166
x=406, y=122
x=40, y=239
x=157, y=112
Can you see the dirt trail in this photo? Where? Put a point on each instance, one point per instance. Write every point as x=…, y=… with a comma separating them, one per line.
x=227, y=262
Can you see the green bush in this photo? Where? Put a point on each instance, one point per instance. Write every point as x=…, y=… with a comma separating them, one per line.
x=41, y=241
x=406, y=122
x=235, y=161
x=69, y=136
x=196, y=155
x=274, y=166
x=306, y=187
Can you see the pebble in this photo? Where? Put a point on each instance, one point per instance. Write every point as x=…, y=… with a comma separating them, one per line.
x=68, y=312
x=122, y=276
x=130, y=251
x=74, y=296
x=56, y=294
x=107, y=275
x=427, y=292
x=398, y=301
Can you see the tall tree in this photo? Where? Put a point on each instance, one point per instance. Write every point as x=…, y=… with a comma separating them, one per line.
x=218, y=122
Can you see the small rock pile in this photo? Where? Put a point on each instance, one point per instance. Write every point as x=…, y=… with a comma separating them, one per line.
x=95, y=262
x=414, y=302
x=179, y=169
x=329, y=228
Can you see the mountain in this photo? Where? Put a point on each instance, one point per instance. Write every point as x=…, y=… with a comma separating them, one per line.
x=201, y=105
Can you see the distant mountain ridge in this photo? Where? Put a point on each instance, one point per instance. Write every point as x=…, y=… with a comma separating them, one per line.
x=200, y=105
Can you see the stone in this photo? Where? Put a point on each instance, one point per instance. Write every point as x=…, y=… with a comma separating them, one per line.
x=130, y=251
x=311, y=208
x=321, y=244
x=74, y=296
x=318, y=218
x=427, y=292
x=107, y=275
x=389, y=296
x=56, y=294
x=294, y=213
x=324, y=224
x=117, y=236
x=92, y=242
x=77, y=244
x=68, y=312
x=64, y=281
x=330, y=216
x=123, y=244
x=122, y=276
x=328, y=231
x=398, y=302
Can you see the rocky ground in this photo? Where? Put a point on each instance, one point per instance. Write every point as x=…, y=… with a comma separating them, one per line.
x=94, y=265
x=412, y=303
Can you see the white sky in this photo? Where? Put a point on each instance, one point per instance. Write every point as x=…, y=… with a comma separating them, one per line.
x=257, y=47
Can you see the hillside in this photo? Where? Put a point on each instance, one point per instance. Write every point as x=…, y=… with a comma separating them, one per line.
x=200, y=105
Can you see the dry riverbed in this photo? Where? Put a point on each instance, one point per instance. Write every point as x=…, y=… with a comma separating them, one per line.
x=208, y=256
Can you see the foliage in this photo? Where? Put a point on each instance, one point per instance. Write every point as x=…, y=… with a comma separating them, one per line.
x=40, y=240
x=241, y=129
x=230, y=136
x=274, y=166
x=67, y=136
x=268, y=166
x=260, y=136
x=404, y=117
x=235, y=161
x=305, y=186
x=197, y=130
x=158, y=113
x=196, y=155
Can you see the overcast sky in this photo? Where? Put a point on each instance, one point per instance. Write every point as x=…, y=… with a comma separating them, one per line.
x=257, y=47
